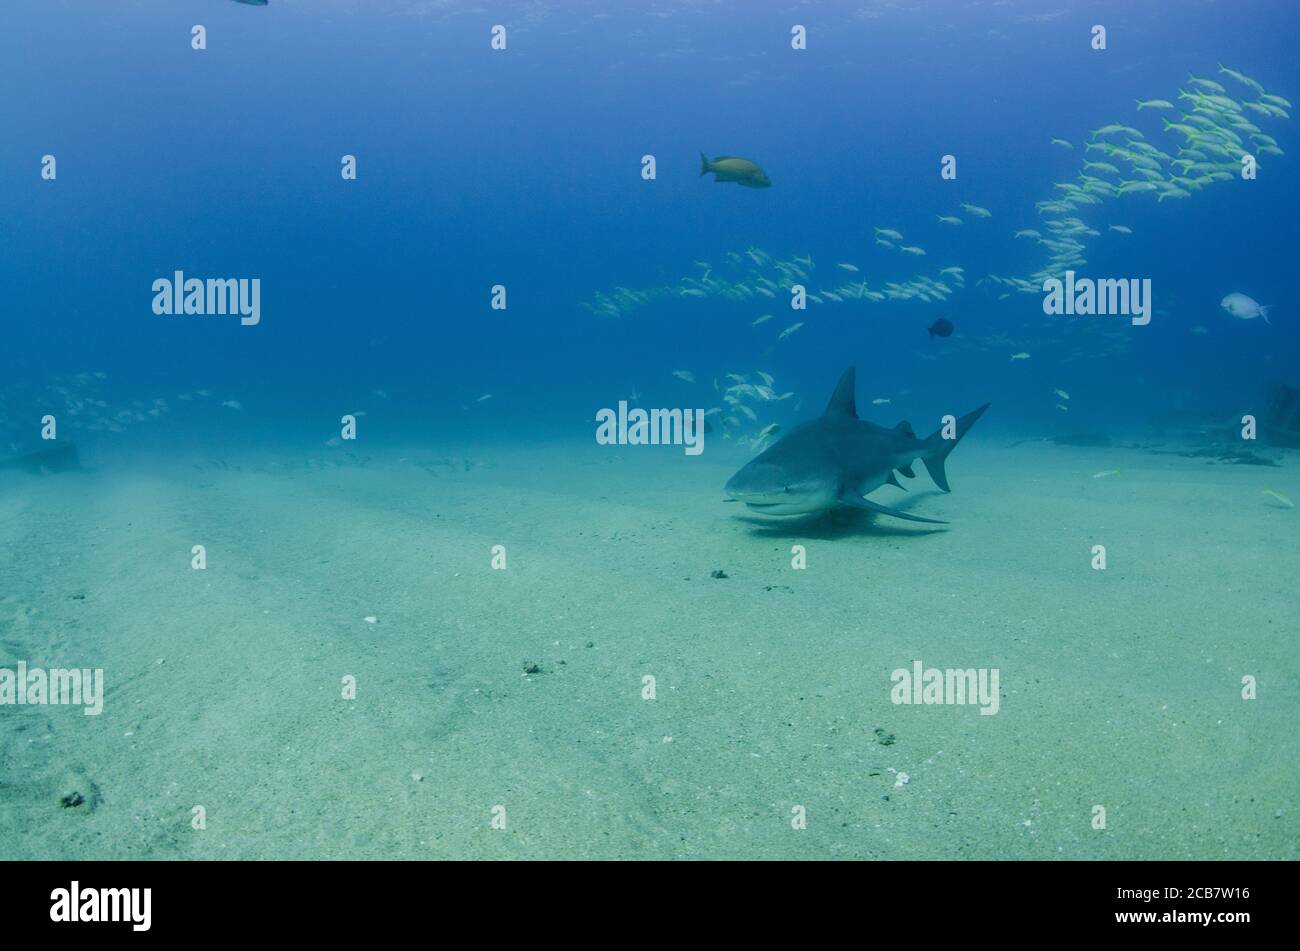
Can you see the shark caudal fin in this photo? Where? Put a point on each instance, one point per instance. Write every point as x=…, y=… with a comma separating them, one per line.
x=936, y=448
x=704, y=164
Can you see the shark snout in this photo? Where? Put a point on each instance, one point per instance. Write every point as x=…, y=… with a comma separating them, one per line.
x=753, y=484
x=772, y=490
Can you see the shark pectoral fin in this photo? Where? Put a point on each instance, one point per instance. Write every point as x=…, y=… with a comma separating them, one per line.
x=893, y=480
x=907, y=471
x=858, y=502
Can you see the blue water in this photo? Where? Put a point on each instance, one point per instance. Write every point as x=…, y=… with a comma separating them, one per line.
x=521, y=167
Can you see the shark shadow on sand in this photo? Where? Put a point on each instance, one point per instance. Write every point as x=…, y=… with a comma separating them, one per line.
x=842, y=522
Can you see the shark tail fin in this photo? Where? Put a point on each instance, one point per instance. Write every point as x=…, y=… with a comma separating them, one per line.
x=936, y=448
x=704, y=164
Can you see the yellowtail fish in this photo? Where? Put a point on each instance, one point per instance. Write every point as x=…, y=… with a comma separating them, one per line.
x=949, y=219
x=789, y=330
x=849, y=267
x=1122, y=229
x=763, y=319
x=1062, y=394
x=1154, y=104
x=485, y=396
x=1282, y=499
x=1244, y=80
x=1019, y=356
x=1062, y=143
x=1105, y=473
x=977, y=211
x=686, y=375
x=889, y=233
x=880, y=401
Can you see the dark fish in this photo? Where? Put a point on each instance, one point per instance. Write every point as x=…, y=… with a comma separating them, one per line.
x=728, y=168
x=253, y=3
x=941, y=328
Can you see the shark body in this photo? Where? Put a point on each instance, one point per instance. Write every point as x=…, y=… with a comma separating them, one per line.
x=838, y=458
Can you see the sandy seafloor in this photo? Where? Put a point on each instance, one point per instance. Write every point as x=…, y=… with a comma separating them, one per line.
x=1120, y=688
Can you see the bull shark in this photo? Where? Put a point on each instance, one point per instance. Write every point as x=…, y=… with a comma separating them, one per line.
x=837, y=459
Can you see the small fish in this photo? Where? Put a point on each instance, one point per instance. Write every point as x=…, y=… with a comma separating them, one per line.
x=1275, y=494
x=747, y=411
x=889, y=233
x=1019, y=356
x=1244, y=308
x=686, y=375
x=941, y=328
x=949, y=219
x=768, y=430
x=764, y=319
x=1201, y=330
x=233, y=404
x=765, y=377
x=849, y=267
x=484, y=397
x=789, y=330
x=1063, y=408
x=977, y=211
x=1154, y=104
x=1062, y=143
x=1122, y=229
x=1209, y=84
x=1105, y=473
x=1062, y=394
x=911, y=249
x=880, y=401
x=1027, y=233
x=729, y=168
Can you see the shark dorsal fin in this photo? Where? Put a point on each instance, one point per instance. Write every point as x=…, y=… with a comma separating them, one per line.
x=905, y=427
x=843, y=402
